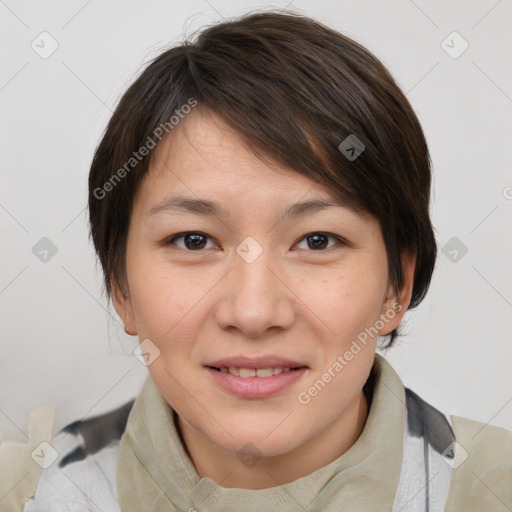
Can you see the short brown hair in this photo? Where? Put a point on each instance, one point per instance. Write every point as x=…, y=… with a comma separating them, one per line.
x=295, y=90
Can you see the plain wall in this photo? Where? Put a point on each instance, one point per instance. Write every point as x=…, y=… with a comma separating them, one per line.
x=60, y=342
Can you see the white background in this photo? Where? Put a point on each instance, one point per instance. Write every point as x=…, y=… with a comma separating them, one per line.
x=60, y=345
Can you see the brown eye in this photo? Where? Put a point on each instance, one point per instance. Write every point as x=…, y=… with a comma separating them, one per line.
x=319, y=241
x=192, y=241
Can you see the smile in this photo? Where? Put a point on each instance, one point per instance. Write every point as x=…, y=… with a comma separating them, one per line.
x=254, y=372
x=255, y=382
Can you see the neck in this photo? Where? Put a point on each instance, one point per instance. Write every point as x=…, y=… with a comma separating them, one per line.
x=225, y=468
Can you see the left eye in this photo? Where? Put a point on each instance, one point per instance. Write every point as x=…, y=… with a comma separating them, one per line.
x=318, y=241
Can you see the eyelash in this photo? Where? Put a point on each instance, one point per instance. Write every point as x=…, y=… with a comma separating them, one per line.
x=173, y=238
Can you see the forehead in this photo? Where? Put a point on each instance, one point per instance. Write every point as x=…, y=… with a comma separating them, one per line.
x=204, y=158
x=205, y=147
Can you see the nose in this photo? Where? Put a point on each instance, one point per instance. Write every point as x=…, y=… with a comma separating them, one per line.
x=256, y=298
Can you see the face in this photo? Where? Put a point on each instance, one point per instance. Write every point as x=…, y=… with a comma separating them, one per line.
x=252, y=282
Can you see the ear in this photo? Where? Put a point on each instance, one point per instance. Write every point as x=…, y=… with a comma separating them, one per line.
x=394, y=307
x=123, y=307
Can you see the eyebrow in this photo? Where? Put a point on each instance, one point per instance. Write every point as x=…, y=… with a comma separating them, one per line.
x=211, y=208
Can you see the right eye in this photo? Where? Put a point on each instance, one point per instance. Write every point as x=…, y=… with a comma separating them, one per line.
x=192, y=240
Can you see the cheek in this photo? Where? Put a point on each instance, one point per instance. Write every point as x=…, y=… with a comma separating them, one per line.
x=347, y=304
x=170, y=305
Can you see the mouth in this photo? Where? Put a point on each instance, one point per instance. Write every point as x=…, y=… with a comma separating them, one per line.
x=255, y=382
x=255, y=372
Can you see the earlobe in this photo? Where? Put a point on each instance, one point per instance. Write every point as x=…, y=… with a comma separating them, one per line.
x=394, y=307
x=123, y=306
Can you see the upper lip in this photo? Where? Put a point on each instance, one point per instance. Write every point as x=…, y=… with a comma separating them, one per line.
x=270, y=361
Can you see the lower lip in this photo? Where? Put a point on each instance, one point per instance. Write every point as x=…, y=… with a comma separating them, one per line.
x=255, y=387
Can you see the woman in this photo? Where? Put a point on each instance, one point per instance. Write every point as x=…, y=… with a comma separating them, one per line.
x=259, y=204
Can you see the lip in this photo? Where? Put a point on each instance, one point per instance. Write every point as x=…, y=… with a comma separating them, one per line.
x=270, y=361
x=255, y=387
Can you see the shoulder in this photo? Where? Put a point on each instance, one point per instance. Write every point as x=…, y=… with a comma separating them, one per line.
x=479, y=454
x=426, y=458
x=79, y=465
x=95, y=434
x=482, y=476
x=424, y=420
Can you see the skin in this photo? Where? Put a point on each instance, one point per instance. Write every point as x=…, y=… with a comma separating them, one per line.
x=295, y=301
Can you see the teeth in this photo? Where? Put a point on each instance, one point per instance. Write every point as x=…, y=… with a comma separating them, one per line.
x=254, y=372
x=247, y=372
x=264, y=372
